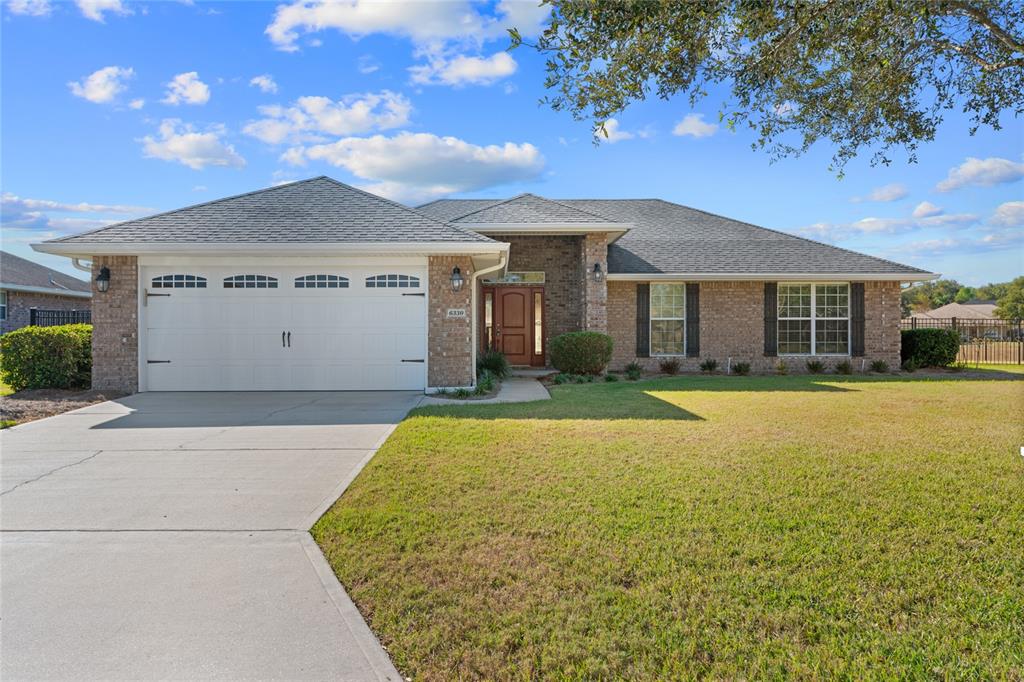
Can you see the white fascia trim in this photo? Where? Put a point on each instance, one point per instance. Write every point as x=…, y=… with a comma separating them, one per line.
x=90, y=249
x=773, y=277
x=45, y=290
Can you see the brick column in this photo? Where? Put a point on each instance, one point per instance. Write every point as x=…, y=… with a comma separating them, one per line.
x=115, y=320
x=450, y=341
x=882, y=322
x=594, y=249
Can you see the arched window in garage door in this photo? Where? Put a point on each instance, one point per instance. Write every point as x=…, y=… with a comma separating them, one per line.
x=178, y=282
x=250, y=282
x=321, y=282
x=392, y=282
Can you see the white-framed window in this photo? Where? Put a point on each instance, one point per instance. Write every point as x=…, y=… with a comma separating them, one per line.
x=178, y=282
x=668, y=318
x=392, y=282
x=250, y=282
x=3, y=305
x=814, y=319
x=321, y=282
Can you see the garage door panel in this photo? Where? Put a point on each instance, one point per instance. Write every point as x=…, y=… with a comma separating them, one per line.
x=341, y=338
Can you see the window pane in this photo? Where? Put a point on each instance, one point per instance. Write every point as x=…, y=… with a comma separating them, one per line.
x=667, y=301
x=832, y=336
x=667, y=337
x=832, y=300
x=538, y=321
x=794, y=337
x=794, y=300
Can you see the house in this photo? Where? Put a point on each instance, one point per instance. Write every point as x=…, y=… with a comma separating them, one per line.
x=969, y=310
x=25, y=285
x=319, y=285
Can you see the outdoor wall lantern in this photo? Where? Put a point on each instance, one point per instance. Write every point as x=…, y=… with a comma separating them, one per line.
x=457, y=279
x=597, y=272
x=103, y=280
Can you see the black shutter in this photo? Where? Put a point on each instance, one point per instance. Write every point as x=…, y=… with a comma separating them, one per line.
x=643, y=320
x=857, y=319
x=692, y=320
x=771, y=319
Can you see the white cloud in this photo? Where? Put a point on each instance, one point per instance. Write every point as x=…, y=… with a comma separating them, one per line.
x=186, y=88
x=95, y=9
x=891, y=192
x=33, y=214
x=963, y=246
x=981, y=172
x=137, y=103
x=926, y=209
x=309, y=117
x=463, y=70
x=182, y=143
x=31, y=8
x=422, y=22
x=199, y=188
x=264, y=82
x=612, y=132
x=414, y=167
x=1010, y=214
x=694, y=125
x=367, y=64
x=102, y=85
x=834, y=232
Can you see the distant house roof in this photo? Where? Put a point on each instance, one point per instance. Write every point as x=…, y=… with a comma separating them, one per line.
x=318, y=210
x=969, y=310
x=18, y=274
x=666, y=238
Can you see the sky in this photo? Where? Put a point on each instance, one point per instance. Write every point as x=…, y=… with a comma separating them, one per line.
x=111, y=110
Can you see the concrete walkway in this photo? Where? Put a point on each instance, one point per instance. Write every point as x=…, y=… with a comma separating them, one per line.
x=165, y=536
x=513, y=390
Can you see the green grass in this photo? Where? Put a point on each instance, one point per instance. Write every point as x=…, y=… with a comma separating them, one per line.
x=1013, y=369
x=5, y=389
x=761, y=527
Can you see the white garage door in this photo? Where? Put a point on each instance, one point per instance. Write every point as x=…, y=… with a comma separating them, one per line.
x=272, y=329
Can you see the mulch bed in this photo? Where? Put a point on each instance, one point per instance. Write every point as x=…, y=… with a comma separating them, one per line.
x=29, y=405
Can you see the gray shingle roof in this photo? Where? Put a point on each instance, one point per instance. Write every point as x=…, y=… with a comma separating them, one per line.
x=316, y=210
x=670, y=238
x=18, y=271
x=529, y=208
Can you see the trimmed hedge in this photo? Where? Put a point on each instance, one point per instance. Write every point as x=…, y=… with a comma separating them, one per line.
x=581, y=352
x=47, y=357
x=929, y=347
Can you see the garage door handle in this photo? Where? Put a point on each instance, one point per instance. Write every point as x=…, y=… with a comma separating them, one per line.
x=420, y=360
x=413, y=294
x=282, y=339
x=289, y=339
x=158, y=362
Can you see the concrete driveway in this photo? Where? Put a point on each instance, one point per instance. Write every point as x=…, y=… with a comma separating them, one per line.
x=165, y=536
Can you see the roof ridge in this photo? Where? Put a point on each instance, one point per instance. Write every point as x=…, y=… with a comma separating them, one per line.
x=535, y=196
x=581, y=210
x=793, y=236
x=498, y=202
x=190, y=206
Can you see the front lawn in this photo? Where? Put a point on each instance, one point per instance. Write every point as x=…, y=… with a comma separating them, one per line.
x=761, y=527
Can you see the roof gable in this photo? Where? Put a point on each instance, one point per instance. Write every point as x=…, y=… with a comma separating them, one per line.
x=529, y=209
x=18, y=271
x=320, y=209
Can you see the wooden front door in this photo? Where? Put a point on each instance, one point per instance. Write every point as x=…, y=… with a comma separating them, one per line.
x=517, y=322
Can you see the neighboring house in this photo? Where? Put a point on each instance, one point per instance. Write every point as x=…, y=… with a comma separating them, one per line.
x=969, y=310
x=25, y=285
x=318, y=285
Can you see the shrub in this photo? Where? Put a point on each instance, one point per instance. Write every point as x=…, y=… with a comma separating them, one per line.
x=910, y=365
x=879, y=366
x=781, y=368
x=815, y=366
x=47, y=357
x=485, y=382
x=709, y=366
x=561, y=379
x=669, y=366
x=462, y=393
x=844, y=367
x=633, y=371
x=581, y=352
x=741, y=368
x=930, y=347
x=611, y=377
x=493, y=361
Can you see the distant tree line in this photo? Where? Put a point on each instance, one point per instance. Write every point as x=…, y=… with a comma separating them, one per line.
x=1009, y=296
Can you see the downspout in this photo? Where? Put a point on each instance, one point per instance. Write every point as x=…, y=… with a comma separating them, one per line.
x=84, y=268
x=476, y=323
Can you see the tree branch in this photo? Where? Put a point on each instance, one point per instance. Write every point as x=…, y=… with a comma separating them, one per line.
x=982, y=17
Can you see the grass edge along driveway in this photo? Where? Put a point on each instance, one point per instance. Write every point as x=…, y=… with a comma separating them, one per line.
x=698, y=526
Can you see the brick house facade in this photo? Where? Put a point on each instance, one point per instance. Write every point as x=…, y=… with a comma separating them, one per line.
x=20, y=304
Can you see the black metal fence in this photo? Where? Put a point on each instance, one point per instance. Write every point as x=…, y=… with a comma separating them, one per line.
x=981, y=341
x=52, y=318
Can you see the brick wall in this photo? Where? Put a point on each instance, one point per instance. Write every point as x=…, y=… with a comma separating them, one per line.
x=732, y=325
x=449, y=341
x=115, y=343
x=560, y=260
x=19, y=303
x=594, y=250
